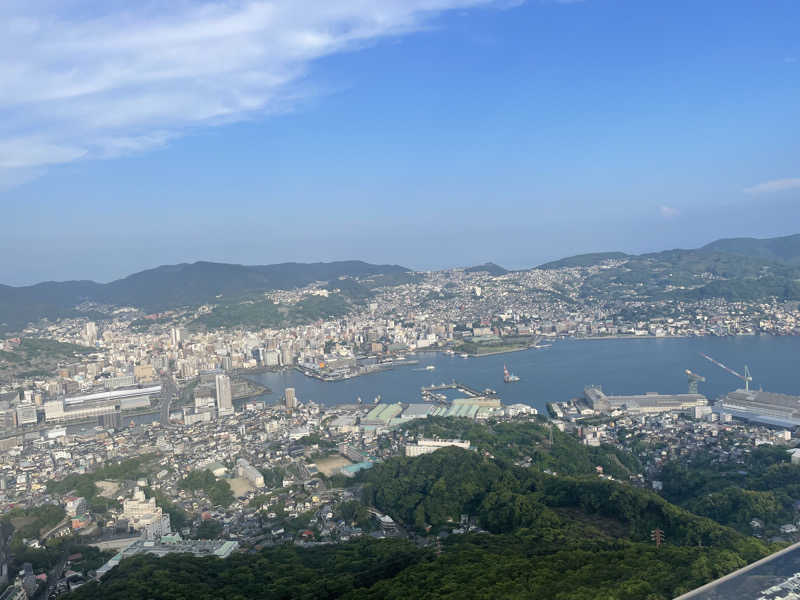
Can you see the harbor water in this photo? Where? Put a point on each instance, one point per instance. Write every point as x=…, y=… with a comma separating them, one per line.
x=560, y=372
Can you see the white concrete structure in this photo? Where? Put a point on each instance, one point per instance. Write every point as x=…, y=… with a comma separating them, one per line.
x=424, y=446
x=249, y=472
x=143, y=514
x=89, y=406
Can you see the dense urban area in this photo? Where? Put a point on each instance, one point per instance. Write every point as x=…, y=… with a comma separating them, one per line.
x=399, y=300
x=130, y=436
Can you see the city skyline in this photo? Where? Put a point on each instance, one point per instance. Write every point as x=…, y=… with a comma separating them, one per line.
x=429, y=133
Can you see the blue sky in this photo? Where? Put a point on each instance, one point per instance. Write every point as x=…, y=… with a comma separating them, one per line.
x=429, y=133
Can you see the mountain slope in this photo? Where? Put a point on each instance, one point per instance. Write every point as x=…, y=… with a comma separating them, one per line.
x=186, y=284
x=172, y=286
x=732, y=269
x=784, y=249
x=781, y=249
x=20, y=305
x=584, y=260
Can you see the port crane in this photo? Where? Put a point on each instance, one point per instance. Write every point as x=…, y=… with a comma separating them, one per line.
x=747, y=378
x=694, y=380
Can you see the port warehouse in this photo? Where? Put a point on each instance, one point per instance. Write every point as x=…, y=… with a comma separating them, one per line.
x=769, y=408
x=781, y=410
x=98, y=404
x=642, y=403
x=480, y=407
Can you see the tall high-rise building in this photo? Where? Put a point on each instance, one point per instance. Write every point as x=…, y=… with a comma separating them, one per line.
x=289, y=398
x=175, y=336
x=90, y=333
x=112, y=420
x=287, y=356
x=271, y=358
x=224, y=396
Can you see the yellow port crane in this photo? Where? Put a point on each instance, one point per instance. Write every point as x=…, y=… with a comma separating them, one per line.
x=694, y=380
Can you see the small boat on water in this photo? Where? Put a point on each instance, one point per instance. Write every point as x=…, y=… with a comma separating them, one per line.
x=430, y=368
x=509, y=377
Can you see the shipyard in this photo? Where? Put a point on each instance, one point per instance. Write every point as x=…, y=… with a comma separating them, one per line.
x=756, y=406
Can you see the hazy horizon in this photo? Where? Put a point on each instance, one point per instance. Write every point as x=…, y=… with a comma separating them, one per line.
x=509, y=267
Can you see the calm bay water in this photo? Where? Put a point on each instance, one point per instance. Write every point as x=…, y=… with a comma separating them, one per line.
x=621, y=366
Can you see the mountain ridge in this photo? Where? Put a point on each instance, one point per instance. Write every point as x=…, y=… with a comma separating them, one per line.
x=171, y=286
x=188, y=284
x=782, y=249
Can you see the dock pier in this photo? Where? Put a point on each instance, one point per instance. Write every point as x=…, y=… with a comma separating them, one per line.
x=455, y=385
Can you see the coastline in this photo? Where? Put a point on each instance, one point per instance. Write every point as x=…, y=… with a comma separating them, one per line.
x=561, y=372
x=319, y=377
x=673, y=337
x=543, y=344
x=640, y=337
x=498, y=352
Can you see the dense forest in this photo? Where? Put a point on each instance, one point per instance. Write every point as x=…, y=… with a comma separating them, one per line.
x=433, y=491
x=763, y=486
x=465, y=567
x=522, y=514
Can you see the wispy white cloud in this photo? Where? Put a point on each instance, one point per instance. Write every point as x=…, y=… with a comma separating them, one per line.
x=776, y=185
x=82, y=79
x=11, y=178
x=668, y=212
x=35, y=151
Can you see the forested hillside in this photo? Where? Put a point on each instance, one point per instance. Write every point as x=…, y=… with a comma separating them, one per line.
x=763, y=485
x=741, y=269
x=465, y=567
x=781, y=249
